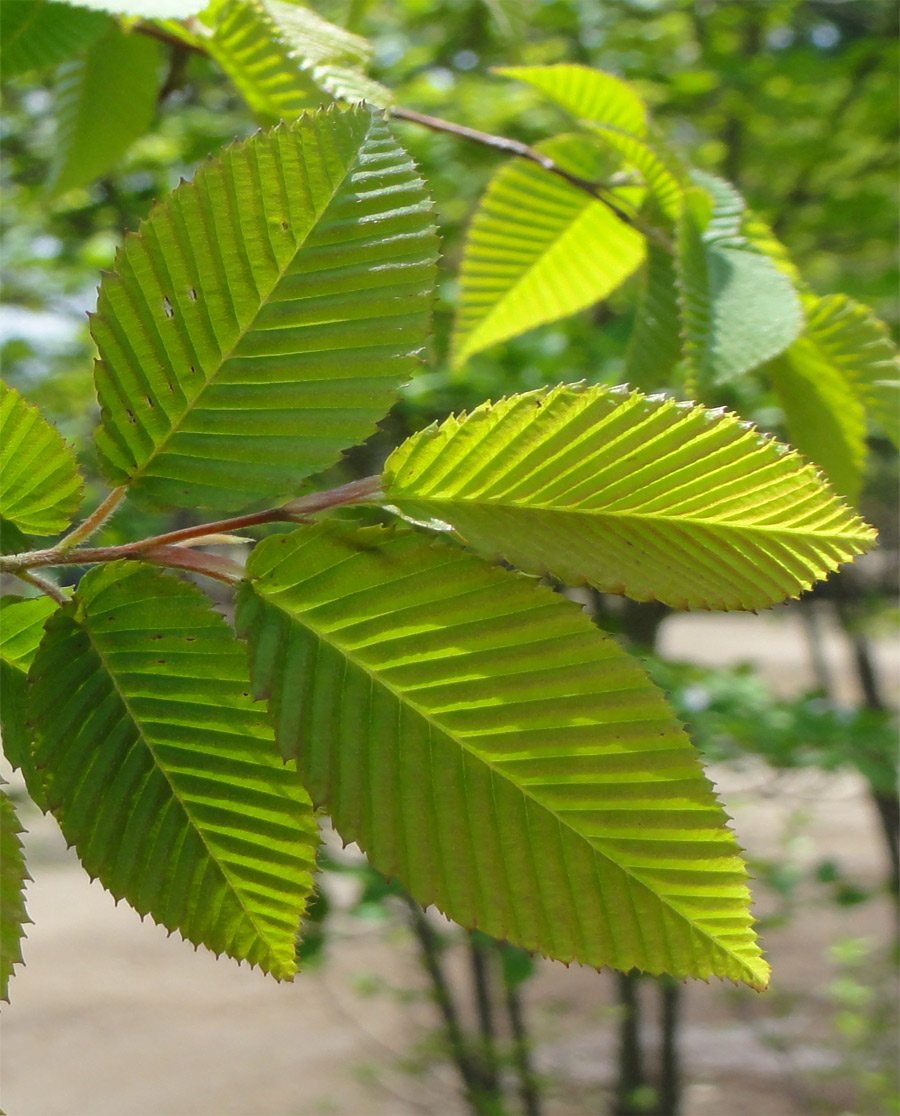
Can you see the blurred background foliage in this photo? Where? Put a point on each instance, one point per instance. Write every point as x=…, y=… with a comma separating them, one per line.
x=793, y=100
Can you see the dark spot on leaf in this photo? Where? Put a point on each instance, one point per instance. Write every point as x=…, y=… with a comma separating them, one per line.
x=110, y=618
x=161, y=661
x=131, y=417
x=190, y=639
x=158, y=635
x=150, y=403
x=284, y=225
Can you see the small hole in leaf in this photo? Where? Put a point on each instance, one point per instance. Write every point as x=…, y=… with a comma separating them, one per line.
x=192, y=294
x=150, y=403
x=131, y=417
x=167, y=307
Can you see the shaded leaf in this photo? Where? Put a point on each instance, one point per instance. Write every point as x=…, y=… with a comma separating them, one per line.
x=264, y=317
x=484, y=743
x=94, y=129
x=21, y=630
x=39, y=479
x=163, y=772
x=738, y=309
x=38, y=34
x=642, y=496
x=655, y=346
x=13, y=877
x=539, y=249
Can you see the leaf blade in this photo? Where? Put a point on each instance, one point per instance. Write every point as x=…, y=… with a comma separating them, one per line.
x=13, y=877
x=539, y=249
x=634, y=495
x=469, y=729
x=226, y=375
x=163, y=774
x=38, y=34
x=94, y=129
x=21, y=630
x=39, y=476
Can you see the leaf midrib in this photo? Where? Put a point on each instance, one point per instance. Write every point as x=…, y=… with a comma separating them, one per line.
x=434, y=724
x=642, y=517
x=248, y=328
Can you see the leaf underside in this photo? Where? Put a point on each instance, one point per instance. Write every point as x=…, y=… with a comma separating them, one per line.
x=484, y=743
x=539, y=249
x=263, y=318
x=39, y=480
x=164, y=774
x=13, y=877
x=632, y=494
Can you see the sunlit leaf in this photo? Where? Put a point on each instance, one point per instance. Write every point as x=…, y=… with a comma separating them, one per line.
x=586, y=94
x=264, y=317
x=483, y=742
x=40, y=487
x=163, y=773
x=642, y=496
x=539, y=249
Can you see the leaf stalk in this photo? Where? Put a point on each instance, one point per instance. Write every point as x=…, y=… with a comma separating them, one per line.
x=168, y=549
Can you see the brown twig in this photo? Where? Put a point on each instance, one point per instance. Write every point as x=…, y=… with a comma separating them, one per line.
x=159, y=546
x=597, y=190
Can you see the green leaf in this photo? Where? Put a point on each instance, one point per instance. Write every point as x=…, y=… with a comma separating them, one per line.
x=21, y=630
x=149, y=9
x=632, y=494
x=614, y=113
x=849, y=338
x=164, y=774
x=478, y=737
x=39, y=479
x=539, y=249
x=655, y=347
x=38, y=34
x=738, y=308
x=13, y=876
x=246, y=43
x=264, y=317
x=825, y=420
x=586, y=94
x=659, y=172
x=314, y=40
x=93, y=128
